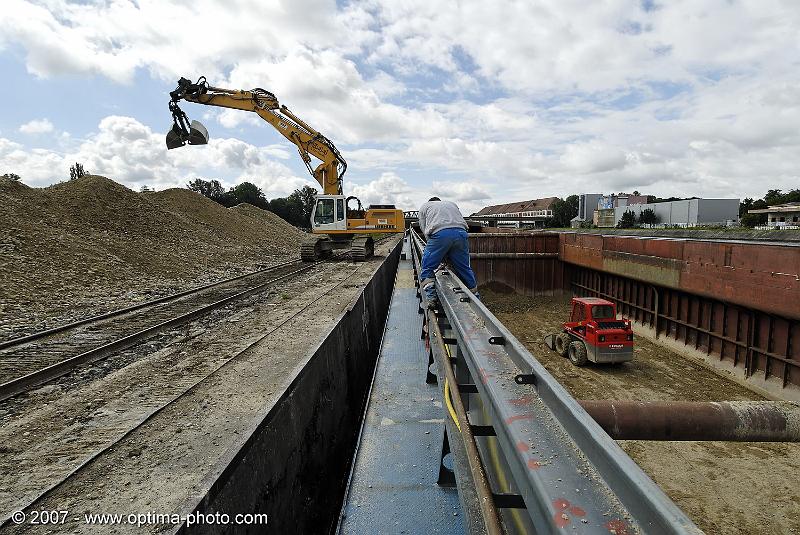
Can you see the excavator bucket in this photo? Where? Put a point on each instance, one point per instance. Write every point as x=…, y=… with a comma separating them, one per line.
x=177, y=137
x=198, y=135
x=174, y=137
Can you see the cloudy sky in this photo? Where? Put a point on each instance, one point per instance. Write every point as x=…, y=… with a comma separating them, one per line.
x=477, y=101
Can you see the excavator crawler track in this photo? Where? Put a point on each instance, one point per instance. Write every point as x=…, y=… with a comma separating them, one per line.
x=314, y=248
x=362, y=248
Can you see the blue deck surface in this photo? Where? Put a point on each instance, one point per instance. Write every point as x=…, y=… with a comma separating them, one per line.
x=393, y=487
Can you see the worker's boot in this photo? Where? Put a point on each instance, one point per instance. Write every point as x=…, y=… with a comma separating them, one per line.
x=429, y=289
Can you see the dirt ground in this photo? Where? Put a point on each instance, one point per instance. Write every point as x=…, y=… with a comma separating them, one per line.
x=87, y=246
x=725, y=487
x=213, y=379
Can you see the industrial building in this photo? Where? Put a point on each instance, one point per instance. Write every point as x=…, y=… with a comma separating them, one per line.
x=687, y=213
x=781, y=215
x=587, y=204
x=605, y=216
x=532, y=213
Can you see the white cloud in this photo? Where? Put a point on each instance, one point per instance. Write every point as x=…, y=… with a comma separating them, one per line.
x=234, y=118
x=125, y=150
x=593, y=158
x=389, y=188
x=171, y=38
x=460, y=191
x=37, y=126
x=691, y=98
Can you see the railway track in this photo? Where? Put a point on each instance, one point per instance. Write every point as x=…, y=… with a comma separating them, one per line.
x=85, y=448
x=33, y=360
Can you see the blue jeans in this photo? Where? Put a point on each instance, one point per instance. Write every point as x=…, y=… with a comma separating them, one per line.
x=447, y=244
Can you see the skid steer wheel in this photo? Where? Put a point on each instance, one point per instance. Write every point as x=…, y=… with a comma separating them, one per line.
x=577, y=353
x=562, y=344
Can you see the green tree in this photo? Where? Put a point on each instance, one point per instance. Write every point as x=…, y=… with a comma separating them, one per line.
x=211, y=189
x=281, y=207
x=11, y=176
x=302, y=202
x=76, y=171
x=563, y=212
x=773, y=197
x=628, y=220
x=751, y=220
x=249, y=193
x=648, y=217
x=573, y=201
x=745, y=205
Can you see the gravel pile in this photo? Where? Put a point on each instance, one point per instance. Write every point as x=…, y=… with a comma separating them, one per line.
x=91, y=245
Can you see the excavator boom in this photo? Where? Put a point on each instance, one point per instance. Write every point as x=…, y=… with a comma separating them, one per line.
x=334, y=223
x=308, y=141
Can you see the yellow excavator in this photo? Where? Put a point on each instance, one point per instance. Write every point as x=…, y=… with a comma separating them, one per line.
x=335, y=223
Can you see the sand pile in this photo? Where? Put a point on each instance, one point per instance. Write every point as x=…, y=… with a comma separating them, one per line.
x=91, y=244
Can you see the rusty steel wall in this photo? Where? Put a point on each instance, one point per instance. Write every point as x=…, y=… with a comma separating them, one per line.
x=753, y=340
x=758, y=276
x=526, y=263
x=737, y=302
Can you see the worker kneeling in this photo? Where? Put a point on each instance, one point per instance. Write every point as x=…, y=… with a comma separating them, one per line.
x=446, y=230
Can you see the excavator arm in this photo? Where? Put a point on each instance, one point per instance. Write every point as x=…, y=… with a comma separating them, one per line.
x=334, y=224
x=308, y=141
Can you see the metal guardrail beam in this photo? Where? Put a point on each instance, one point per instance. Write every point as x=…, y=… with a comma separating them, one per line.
x=569, y=472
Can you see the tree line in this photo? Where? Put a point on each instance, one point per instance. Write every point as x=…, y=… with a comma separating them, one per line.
x=630, y=220
x=295, y=209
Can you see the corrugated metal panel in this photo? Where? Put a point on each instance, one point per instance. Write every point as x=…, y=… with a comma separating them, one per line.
x=524, y=275
x=756, y=341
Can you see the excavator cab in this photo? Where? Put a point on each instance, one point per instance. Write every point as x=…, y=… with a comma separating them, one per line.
x=329, y=214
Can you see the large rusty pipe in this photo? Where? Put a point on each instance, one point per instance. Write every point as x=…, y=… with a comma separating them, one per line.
x=742, y=421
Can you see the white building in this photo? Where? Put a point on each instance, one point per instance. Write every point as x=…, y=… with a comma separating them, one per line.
x=781, y=215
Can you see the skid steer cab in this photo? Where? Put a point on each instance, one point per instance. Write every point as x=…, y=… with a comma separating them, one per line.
x=593, y=334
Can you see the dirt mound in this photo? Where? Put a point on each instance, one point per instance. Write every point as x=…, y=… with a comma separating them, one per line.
x=97, y=203
x=286, y=233
x=91, y=244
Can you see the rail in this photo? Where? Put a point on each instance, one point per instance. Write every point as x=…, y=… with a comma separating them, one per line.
x=80, y=459
x=24, y=366
x=120, y=311
x=562, y=468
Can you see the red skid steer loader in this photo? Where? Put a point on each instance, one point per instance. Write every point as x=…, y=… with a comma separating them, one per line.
x=593, y=334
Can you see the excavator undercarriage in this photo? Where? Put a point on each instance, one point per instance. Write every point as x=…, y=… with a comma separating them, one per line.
x=316, y=247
